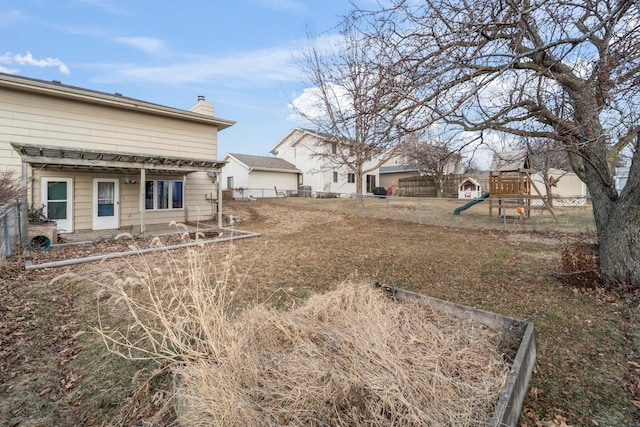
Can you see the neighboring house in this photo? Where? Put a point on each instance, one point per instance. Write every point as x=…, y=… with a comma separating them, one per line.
x=390, y=175
x=317, y=159
x=96, y=160
x=258, y=176
x=404, y=163
x=569, y=190
x=621, y=177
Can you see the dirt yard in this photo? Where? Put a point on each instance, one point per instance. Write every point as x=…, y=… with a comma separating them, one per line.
x=55, y=371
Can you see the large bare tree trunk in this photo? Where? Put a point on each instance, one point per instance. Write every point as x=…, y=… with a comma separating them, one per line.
x=620, y=246
x=617, y=219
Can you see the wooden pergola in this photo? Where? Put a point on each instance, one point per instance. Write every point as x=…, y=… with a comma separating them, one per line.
x=80, y=160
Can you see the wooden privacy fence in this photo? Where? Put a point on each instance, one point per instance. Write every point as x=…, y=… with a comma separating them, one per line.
x=425, y=186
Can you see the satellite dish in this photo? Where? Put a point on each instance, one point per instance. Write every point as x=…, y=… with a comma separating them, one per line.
x=274, y=152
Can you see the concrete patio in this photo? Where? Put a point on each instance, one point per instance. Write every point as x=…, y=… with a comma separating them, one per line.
x=151, y=231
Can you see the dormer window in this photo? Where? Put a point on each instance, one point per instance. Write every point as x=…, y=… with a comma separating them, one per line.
x=334, y=148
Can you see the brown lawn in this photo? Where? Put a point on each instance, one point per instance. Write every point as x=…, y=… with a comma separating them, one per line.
x=55, y=371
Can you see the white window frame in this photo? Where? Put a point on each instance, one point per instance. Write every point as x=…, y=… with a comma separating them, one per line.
x=155, y=195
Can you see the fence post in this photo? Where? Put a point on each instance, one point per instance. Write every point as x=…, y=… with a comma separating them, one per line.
x=504, y=213
x=5, y=225
x=19, y=213
x=7, y=237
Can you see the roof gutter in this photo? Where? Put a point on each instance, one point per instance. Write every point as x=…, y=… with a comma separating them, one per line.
x=274, y=170
x=59, y=90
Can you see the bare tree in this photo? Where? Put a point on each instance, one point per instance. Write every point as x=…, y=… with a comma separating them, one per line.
x=10, y=189
x=550, y=161
x=564, y=71
x=436, y=158
x=355, y=103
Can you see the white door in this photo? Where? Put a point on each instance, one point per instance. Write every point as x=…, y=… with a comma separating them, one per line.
x=57, y=200
x=105, y=204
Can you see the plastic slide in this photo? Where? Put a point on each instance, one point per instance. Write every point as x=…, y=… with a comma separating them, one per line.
x=482, y=198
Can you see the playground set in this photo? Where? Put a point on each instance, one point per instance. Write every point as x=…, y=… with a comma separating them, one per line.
x=510, y=187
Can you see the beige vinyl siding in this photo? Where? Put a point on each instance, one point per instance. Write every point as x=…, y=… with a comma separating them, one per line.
x=31, y=119
x=199, y=186
x=130, y=201
x=82, y=201
x=35, y=118
x=9, y=159
x=81, y=190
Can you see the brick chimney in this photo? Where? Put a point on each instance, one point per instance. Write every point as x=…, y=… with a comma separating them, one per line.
x=203, y=107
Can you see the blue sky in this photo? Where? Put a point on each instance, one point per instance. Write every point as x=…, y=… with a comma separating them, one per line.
x=236, y=53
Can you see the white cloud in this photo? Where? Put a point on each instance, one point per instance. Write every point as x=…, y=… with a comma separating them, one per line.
x=8, y=70
x=105, y=5
x=307, y=104
x=285, y=5
x=311, y=103
x=11, y=18
x=253, y=67
x=148, y=45
x=28, y=59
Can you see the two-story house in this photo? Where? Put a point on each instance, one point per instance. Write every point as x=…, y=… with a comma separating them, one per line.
x=317, y=158
x=97, y=160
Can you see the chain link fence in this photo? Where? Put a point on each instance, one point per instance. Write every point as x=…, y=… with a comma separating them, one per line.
x=568, y=214
x=10, y=232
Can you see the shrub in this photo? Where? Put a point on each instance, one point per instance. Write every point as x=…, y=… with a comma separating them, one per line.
x=580, y=265
x=10, y=188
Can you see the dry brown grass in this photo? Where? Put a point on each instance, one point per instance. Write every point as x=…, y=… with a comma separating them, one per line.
x=587, y=370
x=348, y=357
x=351, y=356
x=439, y=212
x=176, y=305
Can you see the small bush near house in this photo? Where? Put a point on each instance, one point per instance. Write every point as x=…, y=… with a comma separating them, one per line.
x=9, y=188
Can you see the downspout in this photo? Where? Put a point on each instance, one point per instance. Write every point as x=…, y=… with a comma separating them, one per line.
x=23, y=205
x=32, y=184
x=219, y=198
x=143, y=187
x=184, y=198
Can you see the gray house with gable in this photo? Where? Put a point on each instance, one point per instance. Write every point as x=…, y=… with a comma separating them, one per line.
x=250, y=176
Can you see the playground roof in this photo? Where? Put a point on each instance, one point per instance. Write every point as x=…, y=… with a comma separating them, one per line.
x=510, y=161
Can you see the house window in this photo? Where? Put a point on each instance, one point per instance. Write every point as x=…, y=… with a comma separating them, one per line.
x=334, y=148
x=351, y=177
x=335, y=177
x=164, y=194
x=371, y=183
x=229, y=182
x=177, y=195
